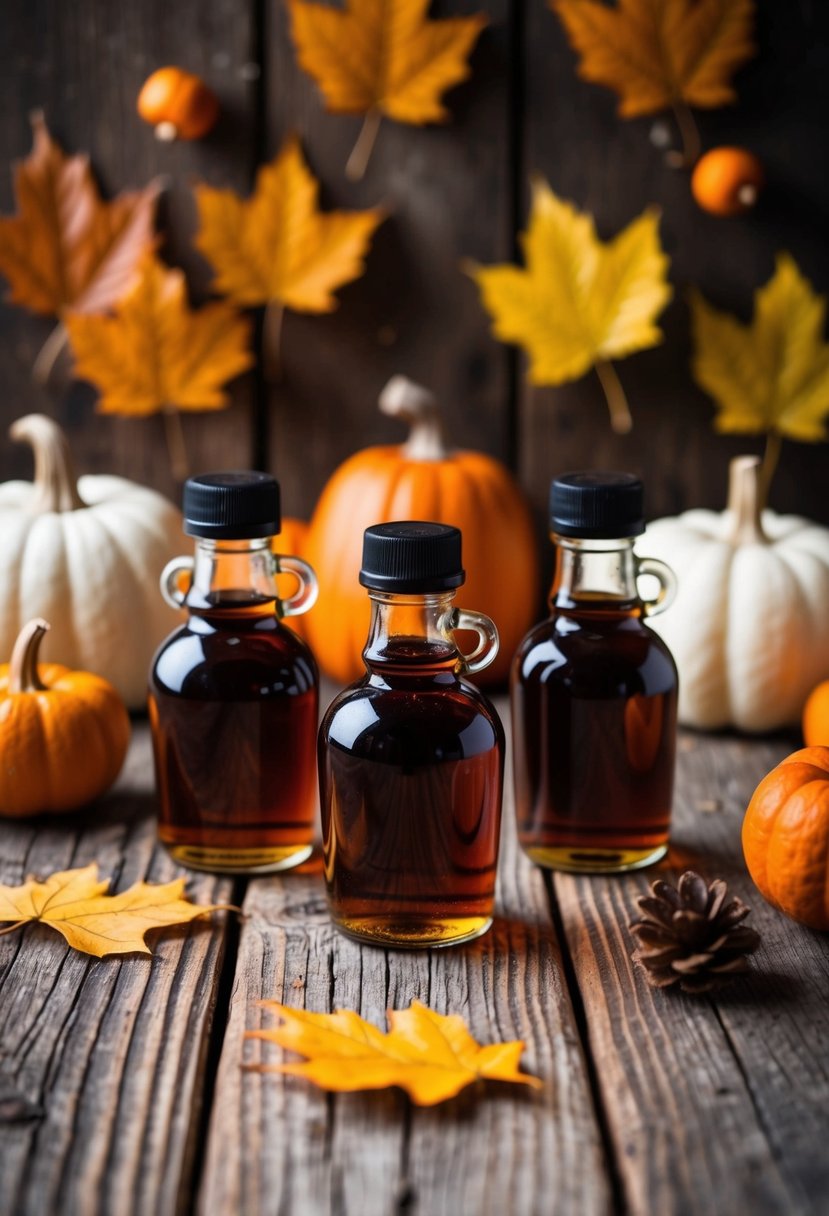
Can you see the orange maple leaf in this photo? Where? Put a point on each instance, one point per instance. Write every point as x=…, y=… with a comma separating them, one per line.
x=66, y=248
x=382, y=59
x=156, y=353
x=76, y=904
x=657, y=53
x=431, y=1056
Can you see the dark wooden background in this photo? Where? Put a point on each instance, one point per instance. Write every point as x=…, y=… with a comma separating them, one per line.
x=455, y=191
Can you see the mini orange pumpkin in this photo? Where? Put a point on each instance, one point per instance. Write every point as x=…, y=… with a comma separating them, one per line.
x=727, y=181
x=63, y=734
x=422, y=479
x=786, y=837
x=178, y=104
x=816, y=717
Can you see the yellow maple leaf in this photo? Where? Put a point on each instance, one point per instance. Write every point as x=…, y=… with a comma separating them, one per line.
x=431, y=1056
x=277, y=247
x=155, y=353
x=76, y=903
x=580, y=302
x=66, y=247
x=655, y=53
x=772, y=375
x=383, y=60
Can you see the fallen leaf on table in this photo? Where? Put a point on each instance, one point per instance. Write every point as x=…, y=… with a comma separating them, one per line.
x=277, y=248
x=382, y=60
x=581, y=301
x=431, y=1056
x=772, y=374
x=66, y=248
x=76, y=903
x=654, y=53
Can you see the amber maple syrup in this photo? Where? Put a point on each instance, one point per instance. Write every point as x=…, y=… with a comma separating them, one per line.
x=411, y=768
x=594, y=701
x=233, y=697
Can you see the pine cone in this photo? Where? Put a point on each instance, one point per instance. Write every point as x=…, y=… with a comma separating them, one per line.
x=690, y=936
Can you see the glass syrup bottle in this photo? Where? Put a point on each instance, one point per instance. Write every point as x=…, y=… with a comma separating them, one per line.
x=233, y=697
x=594, y=691
x=411, y=756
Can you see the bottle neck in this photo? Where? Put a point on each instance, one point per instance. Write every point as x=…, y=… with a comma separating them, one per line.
x=232, y=574
x=410, y=632
x=595, y=574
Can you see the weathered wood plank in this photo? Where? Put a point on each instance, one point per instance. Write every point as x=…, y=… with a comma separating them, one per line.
x=107, y=1056
x=447, y=191
x=608, y=166
x=719, y=1102
x=84, y=65
x=278, y=1145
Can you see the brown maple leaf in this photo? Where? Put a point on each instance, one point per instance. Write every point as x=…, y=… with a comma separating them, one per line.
x=76, y=904
x=430, y=1055
x=66, y=248
x=382, y=60
x=662, y=54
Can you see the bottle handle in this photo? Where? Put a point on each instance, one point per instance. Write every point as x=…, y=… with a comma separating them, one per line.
x=306, y=593
x=169, y=581
x=488, y=640
x=666, y=578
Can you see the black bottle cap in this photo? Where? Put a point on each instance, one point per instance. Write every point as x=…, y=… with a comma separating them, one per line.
x=598, y=505
x=232, y=506
x=412, y=556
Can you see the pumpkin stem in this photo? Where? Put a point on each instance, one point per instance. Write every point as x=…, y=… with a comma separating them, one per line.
x=402, y=398
x=55, y=482
x=23, y=675
x=745, y=501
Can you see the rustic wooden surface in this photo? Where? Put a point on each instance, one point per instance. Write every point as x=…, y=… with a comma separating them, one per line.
x=123, y=1086
x=453, y=192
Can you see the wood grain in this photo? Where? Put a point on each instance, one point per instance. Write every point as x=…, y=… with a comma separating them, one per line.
x=278, y=1145
x=102, y=1062
x=609, y=167
x=447, y=191
x=719, y=1102
x=83, y=64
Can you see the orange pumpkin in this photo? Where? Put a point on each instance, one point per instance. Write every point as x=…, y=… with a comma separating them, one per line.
x=727, y=181
x=422, y=479
x=816, y=717
x=786, y=837
x=178, y=104
x=291, y=542
x=63, y=734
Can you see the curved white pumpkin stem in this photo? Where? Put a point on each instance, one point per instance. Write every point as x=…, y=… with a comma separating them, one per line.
x=23, y=675
x=745, y=501
x=416, y=405
x=55, y=482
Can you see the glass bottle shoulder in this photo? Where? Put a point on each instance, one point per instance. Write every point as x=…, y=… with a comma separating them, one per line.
x=447, y=717
x=216, y=655
x=595, y=649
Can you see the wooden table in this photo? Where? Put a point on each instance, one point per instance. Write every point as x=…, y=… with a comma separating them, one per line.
x=122, y=1091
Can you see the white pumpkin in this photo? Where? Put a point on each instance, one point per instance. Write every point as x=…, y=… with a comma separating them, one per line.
x=749, y=627
x=87, y=556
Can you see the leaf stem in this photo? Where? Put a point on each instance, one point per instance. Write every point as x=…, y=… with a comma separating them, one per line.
x=176, y=444
x=357, y=162
x=617, y=402
x=771, y=458
x=11, y=928
x=688, y=131
x=49, y=354
x=272, y=340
